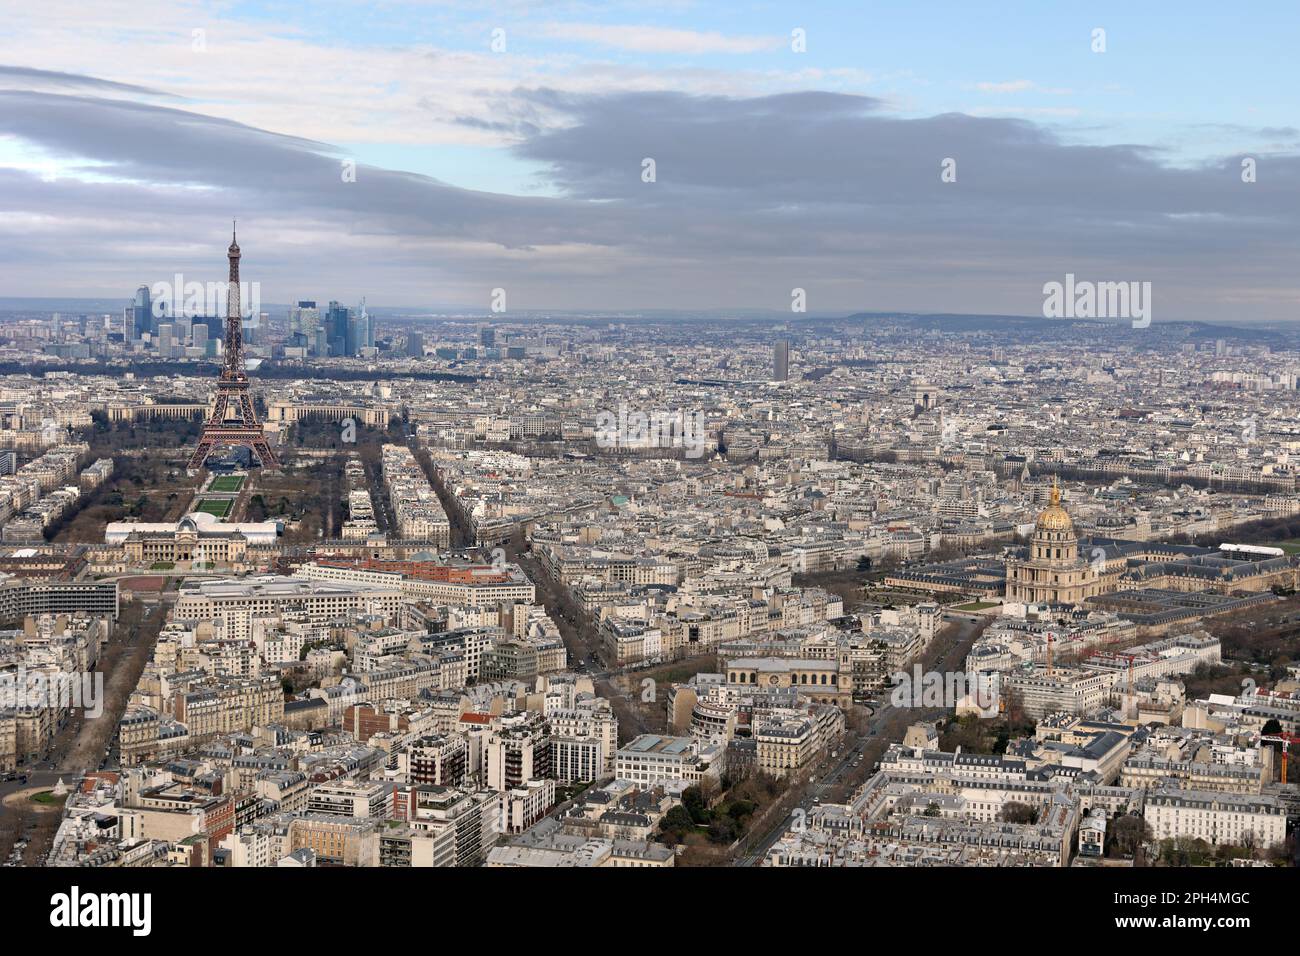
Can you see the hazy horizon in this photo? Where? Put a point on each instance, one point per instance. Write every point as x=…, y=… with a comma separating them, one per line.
x=408, y=153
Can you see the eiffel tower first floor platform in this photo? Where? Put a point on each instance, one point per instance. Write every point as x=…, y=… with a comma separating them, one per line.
x=237, y=435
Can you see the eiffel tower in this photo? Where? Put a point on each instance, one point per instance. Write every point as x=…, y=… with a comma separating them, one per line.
x=233, y=421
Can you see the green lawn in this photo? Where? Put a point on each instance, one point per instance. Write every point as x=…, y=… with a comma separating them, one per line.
x=215, y=506
x=1290, y=547
x=226, y=483
x=976, y=606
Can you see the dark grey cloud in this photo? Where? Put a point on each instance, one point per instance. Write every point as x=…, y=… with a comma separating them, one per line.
x=817, y=169
x=27, y=77
x=161, y=148
x=753, y=197
x=835, y=150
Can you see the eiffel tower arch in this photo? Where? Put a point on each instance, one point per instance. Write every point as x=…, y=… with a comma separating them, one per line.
x=233, y=420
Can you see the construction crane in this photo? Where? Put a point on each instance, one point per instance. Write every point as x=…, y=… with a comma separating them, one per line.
x=1286, y=740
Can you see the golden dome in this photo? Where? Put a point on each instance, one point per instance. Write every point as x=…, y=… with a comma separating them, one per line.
x=1054, y=517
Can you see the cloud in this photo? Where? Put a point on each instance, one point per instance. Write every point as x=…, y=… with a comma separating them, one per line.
x=754, y=195
x=322, y=79
x=1014, y=86
x=1023, y=86
x=643, y=39
x=1059, y=112
x=30, y=78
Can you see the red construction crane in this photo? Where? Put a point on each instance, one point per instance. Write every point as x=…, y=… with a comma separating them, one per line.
x=1286, y=740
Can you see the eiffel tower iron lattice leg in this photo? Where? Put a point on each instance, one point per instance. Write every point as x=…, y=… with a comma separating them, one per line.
x=233, y=433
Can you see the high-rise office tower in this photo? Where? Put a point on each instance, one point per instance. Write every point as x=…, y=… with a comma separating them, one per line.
x=369, y=327
x=214, y=324
x=359, y=335
x=305, y=318
x=487, y=338
x=415, y=344
x=781, y=361
x=336, y=325
x=142, y=313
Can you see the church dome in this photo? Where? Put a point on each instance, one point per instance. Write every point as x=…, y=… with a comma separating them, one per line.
x=1054, y=517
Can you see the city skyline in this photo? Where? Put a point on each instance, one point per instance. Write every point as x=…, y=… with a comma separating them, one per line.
x=708, y=438
x=901, y=176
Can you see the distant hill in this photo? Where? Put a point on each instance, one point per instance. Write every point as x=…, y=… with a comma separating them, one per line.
x=1037, y=326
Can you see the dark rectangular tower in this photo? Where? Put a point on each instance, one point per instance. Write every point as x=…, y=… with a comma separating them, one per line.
x=781, y=360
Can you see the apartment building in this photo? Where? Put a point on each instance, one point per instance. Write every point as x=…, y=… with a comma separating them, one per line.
x=524, y=805
x=654, y=759
x=420, y=515
x=228, y=706
x=351, y=798
x=518, y=751
x=459, y=585
x=472, y=816
x=237, y=602
x=335, y=838
x=1217, y=818
x=439, y=759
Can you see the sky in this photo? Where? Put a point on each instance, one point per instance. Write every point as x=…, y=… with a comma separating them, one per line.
x=422, y=153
